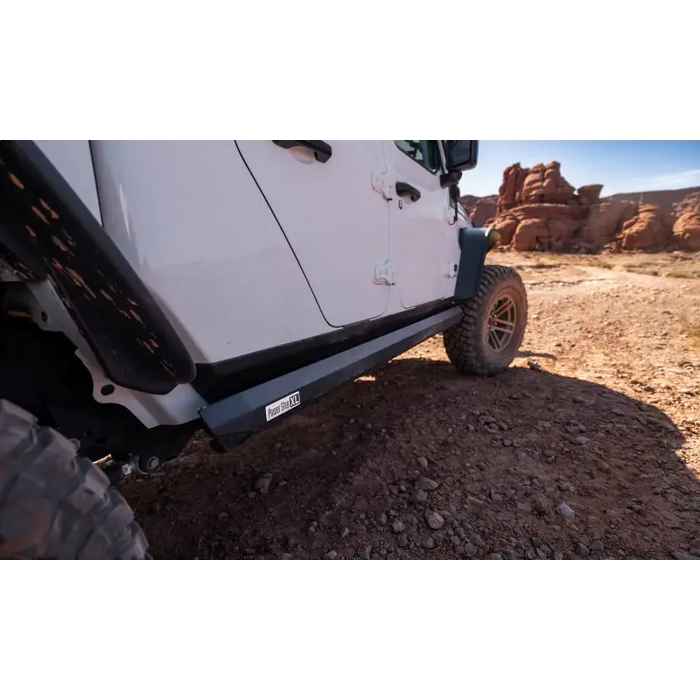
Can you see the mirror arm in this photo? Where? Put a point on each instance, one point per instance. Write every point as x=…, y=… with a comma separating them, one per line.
x=450, y=178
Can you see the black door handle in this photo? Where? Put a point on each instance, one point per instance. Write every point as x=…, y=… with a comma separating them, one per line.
x=403, y=189
x=321, y=149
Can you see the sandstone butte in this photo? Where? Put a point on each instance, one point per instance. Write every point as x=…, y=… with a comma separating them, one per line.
x=538, y=209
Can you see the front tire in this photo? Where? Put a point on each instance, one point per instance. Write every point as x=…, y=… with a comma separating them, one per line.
x=488, y=336
x=55, y=505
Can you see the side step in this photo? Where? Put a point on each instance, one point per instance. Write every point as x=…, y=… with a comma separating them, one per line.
x=231, y=420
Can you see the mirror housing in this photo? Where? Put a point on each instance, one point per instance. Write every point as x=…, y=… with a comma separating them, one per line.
x=461, y=155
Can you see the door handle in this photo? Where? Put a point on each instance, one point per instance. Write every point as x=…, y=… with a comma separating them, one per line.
x=403, y=189
x=321, y=149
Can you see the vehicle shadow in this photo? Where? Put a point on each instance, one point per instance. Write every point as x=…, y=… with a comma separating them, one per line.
x=528, y=464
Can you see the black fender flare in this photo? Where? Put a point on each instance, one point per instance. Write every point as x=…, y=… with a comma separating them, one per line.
x=49, y=232
x=474, y=244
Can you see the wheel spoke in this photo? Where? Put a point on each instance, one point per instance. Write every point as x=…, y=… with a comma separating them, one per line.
x=501, y=322
x=507, y=307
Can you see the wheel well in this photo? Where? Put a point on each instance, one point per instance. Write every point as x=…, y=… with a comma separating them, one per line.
x=47, y=231
x=40, y=372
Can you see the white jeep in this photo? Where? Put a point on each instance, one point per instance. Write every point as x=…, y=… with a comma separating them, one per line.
x=150, y=289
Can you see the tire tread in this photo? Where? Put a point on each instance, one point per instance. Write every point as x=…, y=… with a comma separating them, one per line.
x=54, y=504
x=463, y=343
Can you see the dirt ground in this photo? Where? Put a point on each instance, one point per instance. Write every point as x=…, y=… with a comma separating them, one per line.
x=589, y=447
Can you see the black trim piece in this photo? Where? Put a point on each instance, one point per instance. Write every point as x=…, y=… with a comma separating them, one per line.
x=126, y=329
x=218, y=380
x=403, y=189
x=474, y=244
x=473, y=156
x=321, y=149
x=451, y=180
x=245, y=412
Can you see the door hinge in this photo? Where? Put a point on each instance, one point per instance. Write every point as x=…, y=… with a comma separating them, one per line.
x=381, y=184
x=451, y=269
x=451, y=215
x=384, y=273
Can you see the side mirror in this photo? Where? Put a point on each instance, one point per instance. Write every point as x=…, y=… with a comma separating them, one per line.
x=461, y=155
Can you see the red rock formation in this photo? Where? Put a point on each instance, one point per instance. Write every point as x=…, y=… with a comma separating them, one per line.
x=539, y=184
x=689, y=203
x=548, y=211
x=544, y=183
x=506, y=226
x=537, y=209
x=649, y=230
x=513, y=178
x=529, y=233
x=686, y=229
x=603, y=223
x=589, y=194
x=541, y=226
x=482, y=211
x=561, y=233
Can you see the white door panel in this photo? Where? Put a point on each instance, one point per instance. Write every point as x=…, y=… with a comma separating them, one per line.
x=191, y=221
x=423, y=242
x=336, y=223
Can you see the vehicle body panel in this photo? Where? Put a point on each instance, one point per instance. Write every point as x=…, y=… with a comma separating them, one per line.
x=424, y=236
x=250, y=299
x=198, y=232
x=337, y=224
x=74, y=161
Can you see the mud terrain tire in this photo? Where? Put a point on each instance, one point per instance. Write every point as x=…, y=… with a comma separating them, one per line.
x=55, y=505
x=487, y=338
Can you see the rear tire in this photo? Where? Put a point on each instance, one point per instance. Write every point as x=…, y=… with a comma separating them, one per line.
x=488, y=336
x=55, y=505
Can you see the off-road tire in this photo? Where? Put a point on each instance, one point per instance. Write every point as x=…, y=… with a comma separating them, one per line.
x=55, y=505
x=467, y=343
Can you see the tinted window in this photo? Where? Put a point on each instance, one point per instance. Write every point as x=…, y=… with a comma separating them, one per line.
x=424, y=152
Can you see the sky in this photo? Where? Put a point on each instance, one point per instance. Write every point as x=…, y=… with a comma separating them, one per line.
x=620, y=166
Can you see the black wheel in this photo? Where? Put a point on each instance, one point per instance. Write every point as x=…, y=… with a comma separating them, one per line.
x=488, y=336
x=55, y=505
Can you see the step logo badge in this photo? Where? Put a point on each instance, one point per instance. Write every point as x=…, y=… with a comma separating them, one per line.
x=277, y=408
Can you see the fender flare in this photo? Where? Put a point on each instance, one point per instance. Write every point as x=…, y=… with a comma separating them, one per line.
x=474, y=243
x=49, y=231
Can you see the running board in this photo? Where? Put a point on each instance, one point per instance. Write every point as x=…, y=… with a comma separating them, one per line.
x=231, y=420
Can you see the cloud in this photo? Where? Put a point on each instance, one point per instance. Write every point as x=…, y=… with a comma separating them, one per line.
x=666, y=181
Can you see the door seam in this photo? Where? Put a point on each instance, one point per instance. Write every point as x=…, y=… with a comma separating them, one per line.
x=286, y=238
